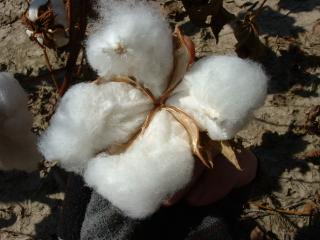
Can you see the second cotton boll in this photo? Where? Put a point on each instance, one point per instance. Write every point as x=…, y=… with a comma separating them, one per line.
x=18, y=149
x=135, y=41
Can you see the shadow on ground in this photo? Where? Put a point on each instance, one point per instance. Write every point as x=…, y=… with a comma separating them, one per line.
x=23, y=188
x=291, y=68
x=298, y=5
x=274, y=23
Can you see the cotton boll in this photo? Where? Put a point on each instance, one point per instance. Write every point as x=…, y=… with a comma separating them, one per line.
x=134, y=40
x=17, y=143
x=221, y=93
x=91, y=117
x=158, y=164
x=57, y=7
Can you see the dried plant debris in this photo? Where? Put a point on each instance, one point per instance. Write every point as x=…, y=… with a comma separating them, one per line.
x=208, y=13
x=246, y=31
x=313, y=120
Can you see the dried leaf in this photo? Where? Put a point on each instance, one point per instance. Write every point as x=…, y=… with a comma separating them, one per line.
x=249, y=44
x=200, y=10
x=246, y=31
x=184, y=55
x=230, y=152
x=193, y=131
x=219, y=20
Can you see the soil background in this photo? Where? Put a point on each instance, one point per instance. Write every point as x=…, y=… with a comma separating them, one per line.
x=284, y=200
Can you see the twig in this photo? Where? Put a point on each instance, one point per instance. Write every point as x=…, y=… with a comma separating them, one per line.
x=305, y=212
x=275, y=124
x=299, y=180
x=313, y=154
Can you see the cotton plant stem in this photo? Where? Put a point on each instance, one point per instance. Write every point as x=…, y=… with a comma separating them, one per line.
x=183, y=58
x=77, y=14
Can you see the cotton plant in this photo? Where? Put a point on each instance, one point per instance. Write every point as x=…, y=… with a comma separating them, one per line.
x=18, y=148
x=46, y=22
x=135, y=132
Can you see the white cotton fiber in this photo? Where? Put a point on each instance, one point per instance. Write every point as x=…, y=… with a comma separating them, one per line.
x=132, y=40
x=158, y=164
x=17, y=143
x=89, y=118
x=57, y=7
x=33, y=10
x=221, y=93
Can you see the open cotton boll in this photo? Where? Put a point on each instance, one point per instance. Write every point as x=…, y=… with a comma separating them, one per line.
x=221, y=93
x=17, y=143
x=57, y=7
x=89, y=118
x=156, y=165
x=135, y=41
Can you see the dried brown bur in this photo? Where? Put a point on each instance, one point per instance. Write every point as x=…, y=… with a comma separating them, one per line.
x=228, y=148
x=246, y=31
x=230, y=151
x=201, y=145
x=184, y=55
x=194, y=134
x=77, y=15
